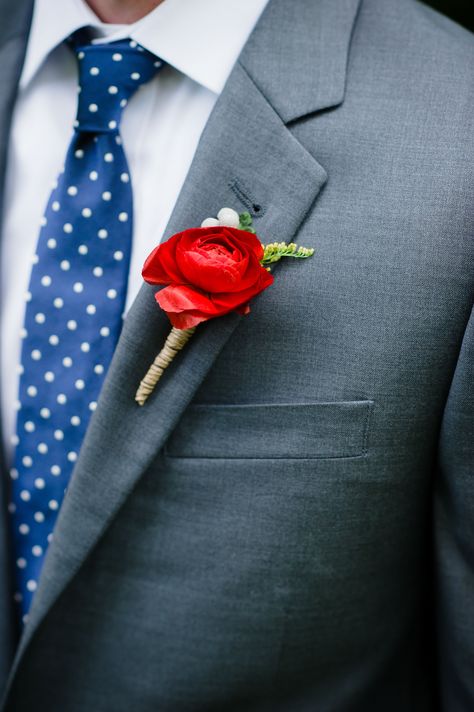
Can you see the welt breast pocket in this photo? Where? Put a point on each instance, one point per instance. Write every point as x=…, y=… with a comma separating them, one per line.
x=317, y=430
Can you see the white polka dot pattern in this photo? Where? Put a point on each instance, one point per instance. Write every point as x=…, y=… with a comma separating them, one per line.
x=74, y=303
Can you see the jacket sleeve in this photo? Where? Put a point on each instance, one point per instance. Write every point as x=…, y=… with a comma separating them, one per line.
x=454, y=537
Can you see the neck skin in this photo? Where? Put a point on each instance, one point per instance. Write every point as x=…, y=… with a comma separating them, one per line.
x=122, y=12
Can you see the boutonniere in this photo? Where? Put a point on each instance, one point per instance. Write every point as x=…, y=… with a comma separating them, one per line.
x=208, y=272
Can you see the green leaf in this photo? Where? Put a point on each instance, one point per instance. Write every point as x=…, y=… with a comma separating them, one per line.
x=246, y=222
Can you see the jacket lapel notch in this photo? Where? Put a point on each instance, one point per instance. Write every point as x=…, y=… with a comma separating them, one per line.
x=301, y=73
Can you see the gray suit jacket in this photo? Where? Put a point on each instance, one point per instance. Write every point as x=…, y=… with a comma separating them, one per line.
x=288, y=523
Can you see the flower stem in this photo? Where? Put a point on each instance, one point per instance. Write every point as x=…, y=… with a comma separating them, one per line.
x=176, y=340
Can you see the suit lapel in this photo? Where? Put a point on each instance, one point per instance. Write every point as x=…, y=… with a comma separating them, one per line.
x=13, y=36
x=13, y=33
x=247, y=159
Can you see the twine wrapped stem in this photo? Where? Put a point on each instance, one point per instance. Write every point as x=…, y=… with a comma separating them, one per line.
x=177, y=339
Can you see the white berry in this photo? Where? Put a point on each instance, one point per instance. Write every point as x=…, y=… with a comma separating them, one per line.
x=210, y=222
x=228, y=217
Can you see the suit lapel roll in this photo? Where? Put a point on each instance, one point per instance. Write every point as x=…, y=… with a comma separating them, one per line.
x=249, y=160
x=254, y=164
x=15, y=19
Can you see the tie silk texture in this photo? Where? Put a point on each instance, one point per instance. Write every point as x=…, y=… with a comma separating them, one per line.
x=75, y=301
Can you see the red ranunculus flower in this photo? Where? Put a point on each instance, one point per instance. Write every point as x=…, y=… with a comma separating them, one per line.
x=209, y=272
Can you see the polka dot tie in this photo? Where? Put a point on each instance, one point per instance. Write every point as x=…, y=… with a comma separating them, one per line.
x=75, y=301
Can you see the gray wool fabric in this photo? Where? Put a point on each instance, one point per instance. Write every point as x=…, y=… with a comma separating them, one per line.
x=288, y=524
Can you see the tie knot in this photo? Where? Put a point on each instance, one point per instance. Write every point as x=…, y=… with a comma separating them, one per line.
x=108, y=76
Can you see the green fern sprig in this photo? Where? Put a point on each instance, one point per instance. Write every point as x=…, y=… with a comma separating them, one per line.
x=275, y=251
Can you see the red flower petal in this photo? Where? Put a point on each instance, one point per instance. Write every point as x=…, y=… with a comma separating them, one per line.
x=186, y=305
x=179, y=298
x=210, y=272
x=160, y=266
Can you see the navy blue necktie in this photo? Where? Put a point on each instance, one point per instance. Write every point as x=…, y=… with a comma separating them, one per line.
x=75, y=301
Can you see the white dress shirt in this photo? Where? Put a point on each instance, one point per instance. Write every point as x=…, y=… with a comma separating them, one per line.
x=161, y=127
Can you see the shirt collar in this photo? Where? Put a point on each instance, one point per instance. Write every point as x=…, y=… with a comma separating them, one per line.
x=200, y=38
x=52, y=23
